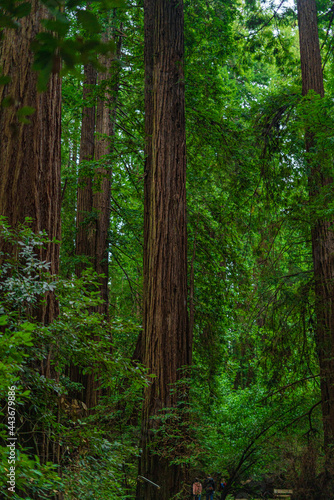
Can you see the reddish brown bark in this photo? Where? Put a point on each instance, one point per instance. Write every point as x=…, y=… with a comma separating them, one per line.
x=105, y=130
x=93, y=206
x=85, y=237
x=166, y=339
x=321, y=230
x=102, y=185
x=101, y=208
x=30, y=172
x=310, y=58
x=30, y=153
x=94, y=193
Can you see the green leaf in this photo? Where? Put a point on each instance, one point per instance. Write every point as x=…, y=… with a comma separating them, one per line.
x=52, y=5
x=22, y=10
x=73, y=4
x=89, y=21
x=58, y=26
x=46, y=39
x=7, y=21
x=111, y=4
x=3, y=320
x=25, y=111
x=4, y=80
x=7, y=101
x=43, y=78
x=107, y=47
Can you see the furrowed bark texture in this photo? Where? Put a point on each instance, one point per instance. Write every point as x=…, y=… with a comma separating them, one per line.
x=30, y=153
x=100, y=192
x=85, y=237
x=102, y=185
x=166, y=341
x=30, y=177
x=321, y=230
x=104, y=145
x=94, y=194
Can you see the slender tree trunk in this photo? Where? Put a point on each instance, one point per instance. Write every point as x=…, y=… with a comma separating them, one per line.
x=30, y=153
x=94, y=193
x=166, y=340
x=321, y=230
x=84, y=238
x=105, y=131
x=93, y=199
x=85, y=246
x=102, y=184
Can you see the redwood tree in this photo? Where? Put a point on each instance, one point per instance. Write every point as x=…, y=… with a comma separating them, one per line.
x=84, y=237
x=94, y=189
x=30, y=173
x=93, y=196
x=85, y=232
x=30, y=153
x=321, y=230
x=102, y=183
x=166, y=339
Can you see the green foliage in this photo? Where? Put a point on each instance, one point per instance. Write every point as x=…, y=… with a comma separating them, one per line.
x=24, y=277
x=72, y=338
x=11, y=11
x=254, y=385
x=13, y=344
x=31, y=477
x=66, y=43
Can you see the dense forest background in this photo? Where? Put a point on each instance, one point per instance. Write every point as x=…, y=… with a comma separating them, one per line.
x=158, y=327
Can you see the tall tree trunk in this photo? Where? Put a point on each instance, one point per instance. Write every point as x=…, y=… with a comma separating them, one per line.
x=30, y=172
x=166, y=340
x=30, y=153
x=101, y=209
x=105, y=131
x=84, y=238
x=94, y=193
x=102, y=184
x=85, y=243
x=321, y=230
x=93, y=199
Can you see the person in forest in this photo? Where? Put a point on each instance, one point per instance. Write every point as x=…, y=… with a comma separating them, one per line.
x=197, y=489
x=222, y=487
x=209, y=486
